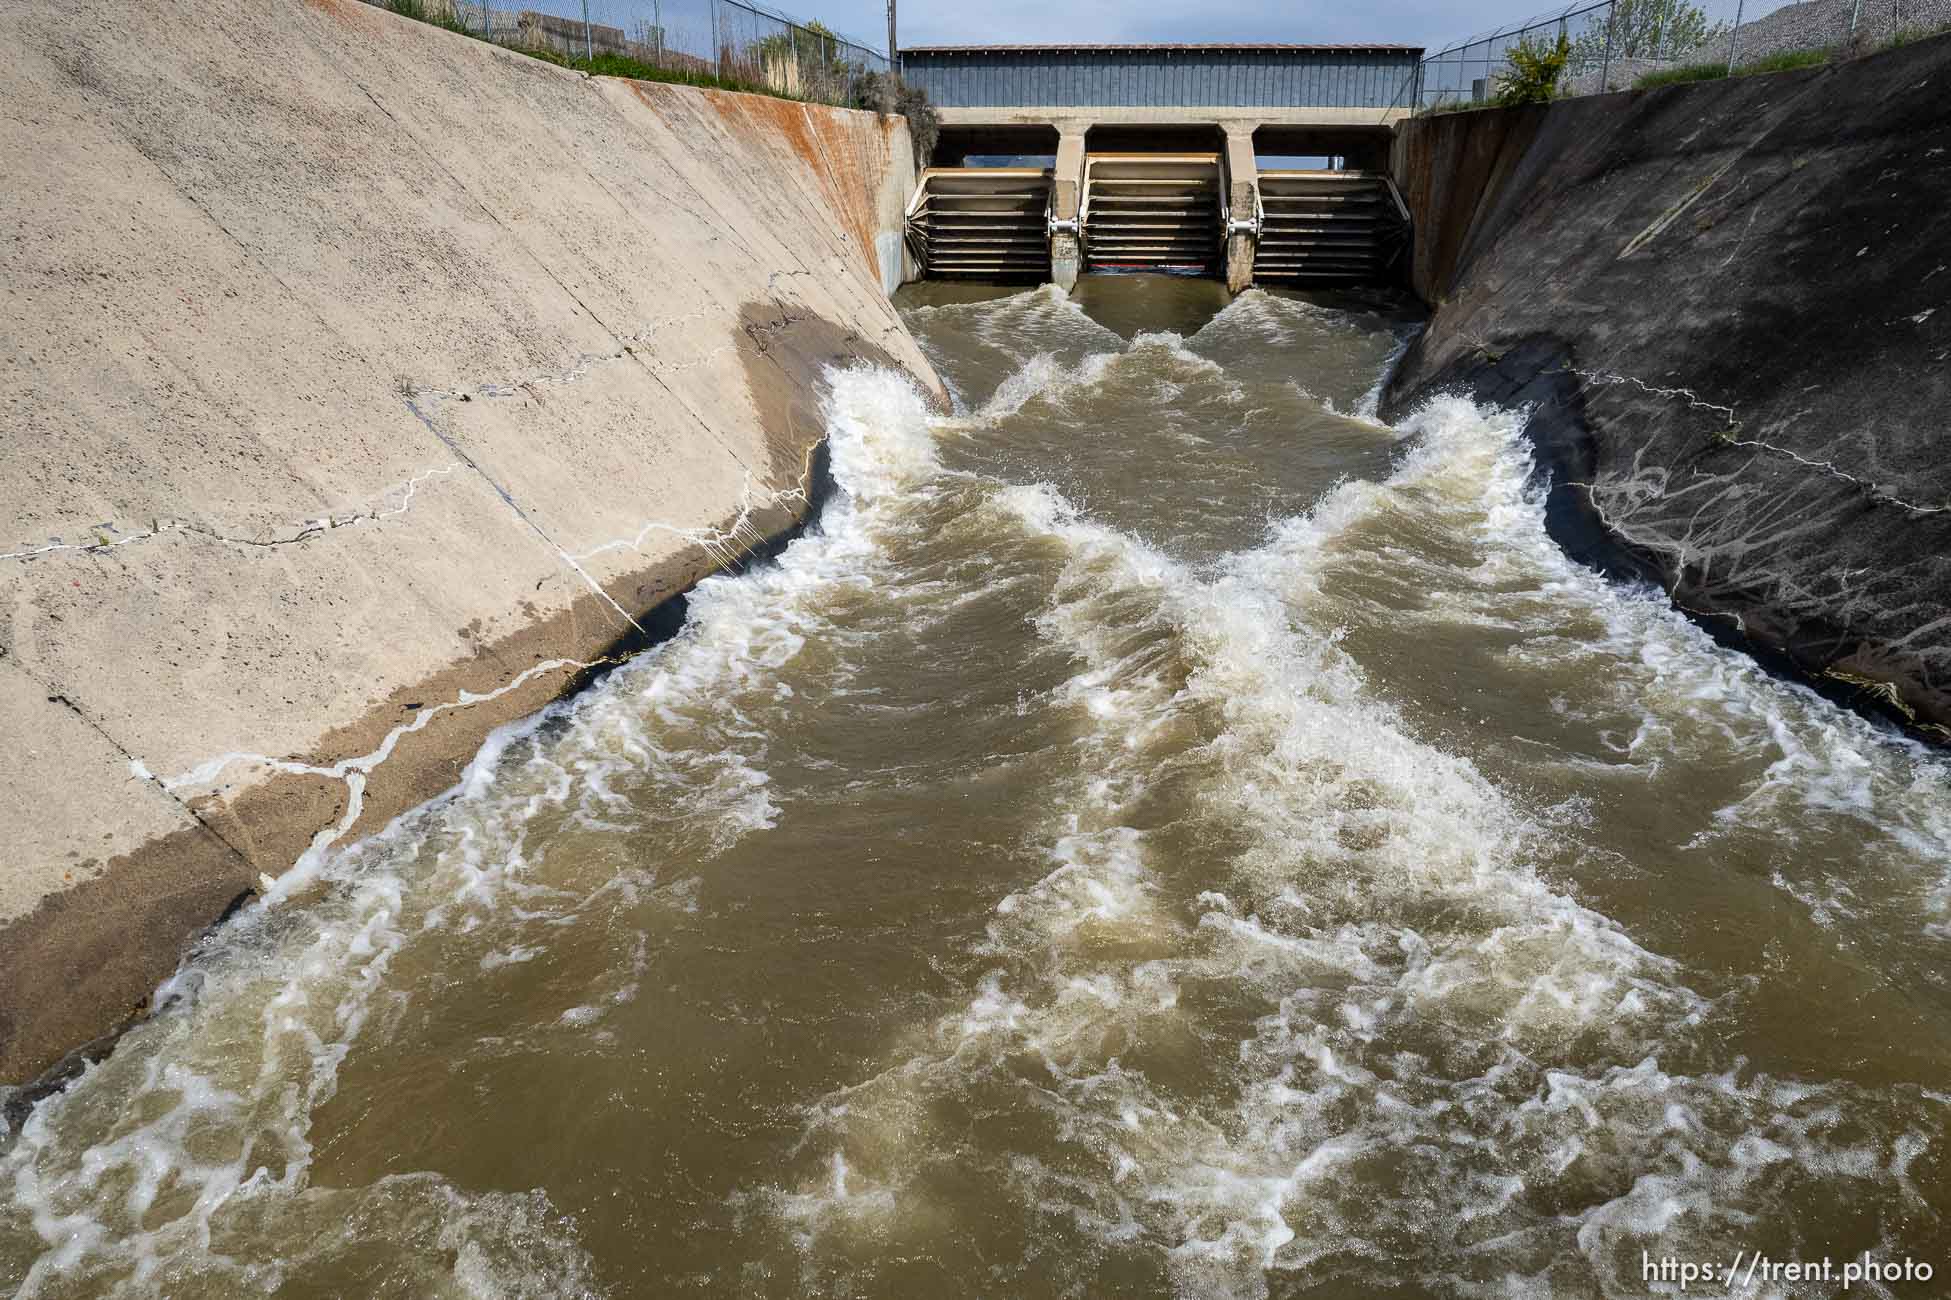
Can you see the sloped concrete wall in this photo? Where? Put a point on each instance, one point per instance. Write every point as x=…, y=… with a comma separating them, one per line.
x=363, y=384
x=1449, y=168
x=1730, y=306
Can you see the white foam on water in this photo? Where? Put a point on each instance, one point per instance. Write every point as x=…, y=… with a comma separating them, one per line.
x=1373, y=1019
x=188, y=1150
x=1277, y=320
x=1044, y=376
x=1273, y=326
x=1440, y=1043
x=1822, y=770
x=1098, y=891
x=1039, y=322
x=1173, y=344
x=1545, y=972
x=1044, y=313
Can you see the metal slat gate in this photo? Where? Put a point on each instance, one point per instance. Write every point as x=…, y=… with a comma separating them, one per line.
x=1328, y=227
x=1152, y=211
x=981, y=222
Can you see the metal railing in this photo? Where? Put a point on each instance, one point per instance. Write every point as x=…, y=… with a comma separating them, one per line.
x=733, y=41
x=1612, y=44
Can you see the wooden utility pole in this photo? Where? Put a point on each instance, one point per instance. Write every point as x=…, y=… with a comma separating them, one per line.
x=893, y=60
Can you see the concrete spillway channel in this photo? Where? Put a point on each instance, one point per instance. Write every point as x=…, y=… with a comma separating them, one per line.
x=1319, y=226
x=1152, y=210
x=981, y=222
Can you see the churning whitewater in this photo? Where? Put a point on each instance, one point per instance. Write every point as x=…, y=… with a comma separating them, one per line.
x=1161, y=833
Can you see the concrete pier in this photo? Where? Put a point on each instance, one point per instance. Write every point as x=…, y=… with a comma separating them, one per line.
x=1242, y=181
x=1066, y=192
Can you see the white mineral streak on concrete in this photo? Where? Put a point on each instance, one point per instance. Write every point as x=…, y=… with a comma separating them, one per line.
x=1605, y=378
x=296, y=533
x=728, y=546
x=352, y=771
x=374, y=273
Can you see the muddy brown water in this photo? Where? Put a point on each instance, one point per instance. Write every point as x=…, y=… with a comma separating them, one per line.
x=1162, y=834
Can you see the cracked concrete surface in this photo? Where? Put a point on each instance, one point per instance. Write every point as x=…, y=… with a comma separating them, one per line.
x=107, y=536
x=353, y=772
x=366, y=387
x=1601, y=378
x=1726, y=302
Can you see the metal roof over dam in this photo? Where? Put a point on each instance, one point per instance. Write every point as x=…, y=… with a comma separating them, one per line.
x=1161, y=76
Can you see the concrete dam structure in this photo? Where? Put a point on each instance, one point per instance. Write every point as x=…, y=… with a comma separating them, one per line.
x=615, y=688
x=1153, y=162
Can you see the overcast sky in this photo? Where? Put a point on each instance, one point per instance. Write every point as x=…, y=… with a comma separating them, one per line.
x=1000, y=22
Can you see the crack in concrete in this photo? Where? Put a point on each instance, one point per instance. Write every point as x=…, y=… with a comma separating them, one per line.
x=352, y=771
x=728, y=545
x=425, y=403
x=508, y=500
x=1603, y=378
x=772, y=283
x=578, y=370
x=1606, y=378
x=1829, y=467
x=304, y=531
x=626, y=351
x=61, y=698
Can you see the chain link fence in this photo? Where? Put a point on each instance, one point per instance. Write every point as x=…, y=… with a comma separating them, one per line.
x=1618, y=44
x=730, y=41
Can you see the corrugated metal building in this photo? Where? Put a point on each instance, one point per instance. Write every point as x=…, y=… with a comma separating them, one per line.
x=1161, y=76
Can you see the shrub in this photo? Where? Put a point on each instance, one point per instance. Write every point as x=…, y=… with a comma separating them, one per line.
x=1648, y=29
x=1535, y=69
x=886, y=92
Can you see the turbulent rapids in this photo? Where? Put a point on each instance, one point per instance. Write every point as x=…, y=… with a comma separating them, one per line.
x=1162, y=833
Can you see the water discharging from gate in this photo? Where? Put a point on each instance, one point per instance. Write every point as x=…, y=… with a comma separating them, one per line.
x=1163, y=833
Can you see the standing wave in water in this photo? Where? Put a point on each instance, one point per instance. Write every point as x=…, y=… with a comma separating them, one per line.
x=1162, y=833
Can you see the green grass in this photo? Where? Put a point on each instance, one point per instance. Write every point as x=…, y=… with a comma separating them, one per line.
x=622, y=65
x=1911, y=35
x=1786, y=61
x=1681, y=75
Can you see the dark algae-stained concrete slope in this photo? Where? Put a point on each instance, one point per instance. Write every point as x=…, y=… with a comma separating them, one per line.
x=1731, y=305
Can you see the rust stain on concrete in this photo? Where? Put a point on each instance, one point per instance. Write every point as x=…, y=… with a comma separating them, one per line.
x=820, y=138
x=352, y=13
